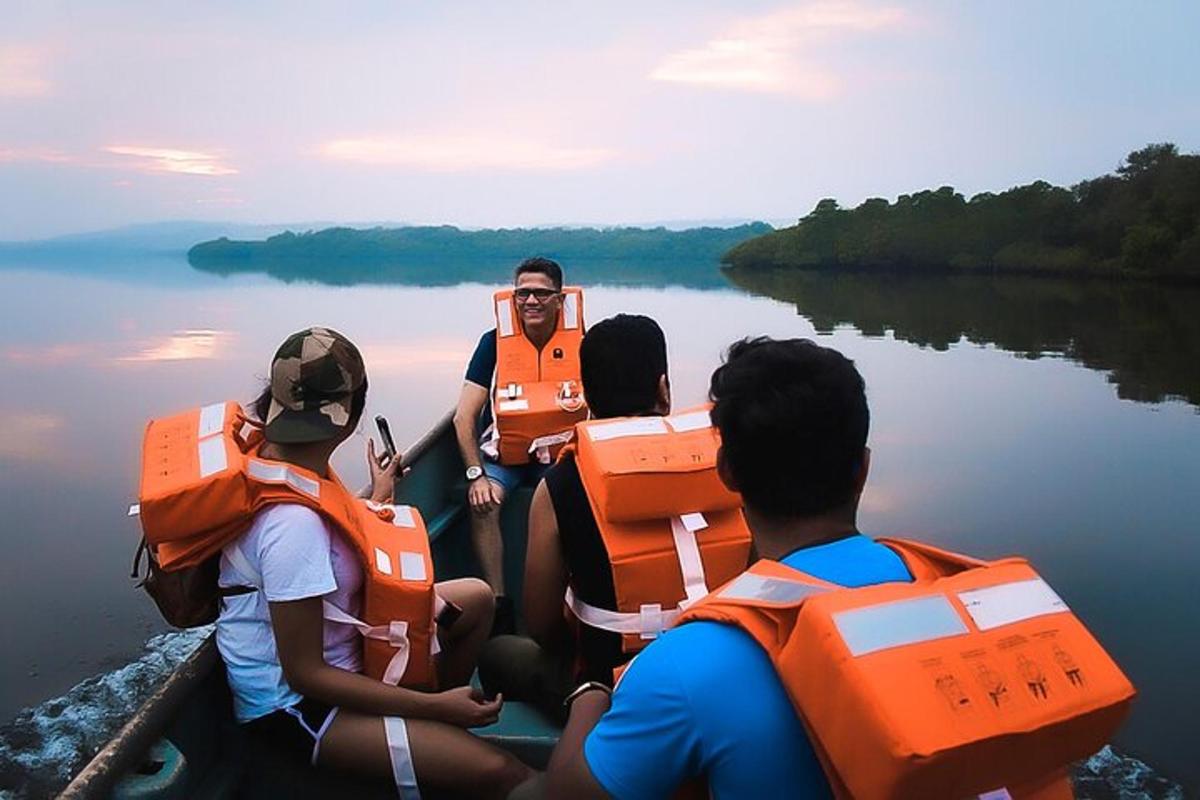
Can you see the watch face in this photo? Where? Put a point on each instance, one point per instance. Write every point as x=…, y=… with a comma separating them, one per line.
x=474, y=472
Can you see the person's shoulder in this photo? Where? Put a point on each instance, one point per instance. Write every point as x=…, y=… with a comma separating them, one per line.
x=712, y=650
x=290, y=523
x=288, y=514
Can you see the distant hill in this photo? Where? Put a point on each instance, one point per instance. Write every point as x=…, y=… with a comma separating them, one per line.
x=445, y=255
x=1142, y=222
x=150, y=237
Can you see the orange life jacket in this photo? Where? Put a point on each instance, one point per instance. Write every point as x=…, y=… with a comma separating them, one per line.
x=202, y=483
x=670, y=527
x=536, y=397
x=973, y=679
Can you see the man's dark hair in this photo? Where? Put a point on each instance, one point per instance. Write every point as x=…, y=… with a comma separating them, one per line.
x=621, y=359
x=545, y=266
x=793, y=420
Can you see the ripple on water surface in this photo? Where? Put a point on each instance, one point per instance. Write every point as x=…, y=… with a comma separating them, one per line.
x=43, y=747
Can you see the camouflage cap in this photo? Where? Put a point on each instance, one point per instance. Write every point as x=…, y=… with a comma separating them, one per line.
x=314, y=376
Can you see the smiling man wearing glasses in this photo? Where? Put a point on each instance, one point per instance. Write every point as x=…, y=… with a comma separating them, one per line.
x=521, y=390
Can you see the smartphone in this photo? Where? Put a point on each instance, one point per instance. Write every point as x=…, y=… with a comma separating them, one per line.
x=385, y=433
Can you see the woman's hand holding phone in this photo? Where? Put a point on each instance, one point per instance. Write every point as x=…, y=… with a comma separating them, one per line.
x=383, y=473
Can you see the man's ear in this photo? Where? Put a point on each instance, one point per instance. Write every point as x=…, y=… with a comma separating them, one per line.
x=723, y=471
x=860, y=480
x=663, y=403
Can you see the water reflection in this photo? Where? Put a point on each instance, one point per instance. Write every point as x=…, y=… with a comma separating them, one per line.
x=1146, y=337
x=183, y=346
x=29, y=436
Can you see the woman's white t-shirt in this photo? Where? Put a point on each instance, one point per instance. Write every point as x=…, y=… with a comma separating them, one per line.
x=296, y=555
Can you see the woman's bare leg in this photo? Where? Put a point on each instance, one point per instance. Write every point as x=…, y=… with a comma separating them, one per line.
x=462, y=641
x=447, y=760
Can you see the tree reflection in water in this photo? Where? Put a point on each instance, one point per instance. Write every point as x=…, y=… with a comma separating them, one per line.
x=1146, y=337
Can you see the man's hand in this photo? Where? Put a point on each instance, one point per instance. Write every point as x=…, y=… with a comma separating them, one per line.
x=483, y=495
x=383, y=473
x=466, y=707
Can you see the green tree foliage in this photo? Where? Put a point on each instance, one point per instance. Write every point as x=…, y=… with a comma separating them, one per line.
x=1142, y=221
x=446, y=255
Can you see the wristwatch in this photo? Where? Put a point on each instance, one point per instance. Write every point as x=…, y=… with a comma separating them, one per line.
x=474, y=472
x=583, y=688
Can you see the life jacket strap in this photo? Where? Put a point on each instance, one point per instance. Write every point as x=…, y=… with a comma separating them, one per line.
x=540, y=447
x=683, y=531
x=647, y=623
x=395, y=633
x=400, y=754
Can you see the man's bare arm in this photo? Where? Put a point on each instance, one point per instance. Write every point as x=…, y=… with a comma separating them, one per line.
x=568, y=775
x=466, y=416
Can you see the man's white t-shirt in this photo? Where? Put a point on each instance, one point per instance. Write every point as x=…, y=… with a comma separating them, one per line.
x=296, y=555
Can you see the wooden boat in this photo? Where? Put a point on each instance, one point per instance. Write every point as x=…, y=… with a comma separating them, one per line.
x=184, y=742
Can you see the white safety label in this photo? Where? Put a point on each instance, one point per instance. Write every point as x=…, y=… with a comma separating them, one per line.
x=643, y=426
x=1011, y=602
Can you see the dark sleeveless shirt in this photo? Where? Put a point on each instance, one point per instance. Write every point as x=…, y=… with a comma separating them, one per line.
x=588, y=565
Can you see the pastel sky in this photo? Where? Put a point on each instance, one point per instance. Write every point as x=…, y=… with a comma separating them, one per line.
x=526, y=113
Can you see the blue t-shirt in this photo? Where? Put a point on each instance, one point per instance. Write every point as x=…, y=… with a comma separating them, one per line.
x=704, y=699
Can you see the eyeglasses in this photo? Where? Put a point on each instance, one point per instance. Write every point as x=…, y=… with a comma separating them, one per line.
x=541, y=295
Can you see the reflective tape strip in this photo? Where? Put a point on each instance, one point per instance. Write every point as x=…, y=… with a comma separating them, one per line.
x=270, y=473
x=996, y=794
x=570, y=311
x=1007, y=603
x=513, y=405
x=212, y=420
x=764, y=589
x=921, y=619
x=403, y=517
x=504, y=320
x=643, y=426
x=412, y=566
x=307, y=485
x=280, y=473
x=401, y=756
x=394, y=633
x=642, y=623
x=692, y=421
x=691, y=567
x=383, y=562
x=211, y=452
x=134, y=510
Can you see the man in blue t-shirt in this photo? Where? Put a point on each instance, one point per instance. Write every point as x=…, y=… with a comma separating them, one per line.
x=537, y=291
x=704, y=701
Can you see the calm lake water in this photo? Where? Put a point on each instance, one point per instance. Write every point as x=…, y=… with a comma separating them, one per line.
x=1046, y=418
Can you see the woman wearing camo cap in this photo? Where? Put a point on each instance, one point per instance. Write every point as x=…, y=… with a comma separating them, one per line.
x=295, y=675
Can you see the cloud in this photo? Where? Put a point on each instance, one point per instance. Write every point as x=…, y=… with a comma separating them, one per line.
x=20, y=72
x=182, y=162
x=463, y=153
x=48, y=355
x=773, y=52
x=44, y=154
